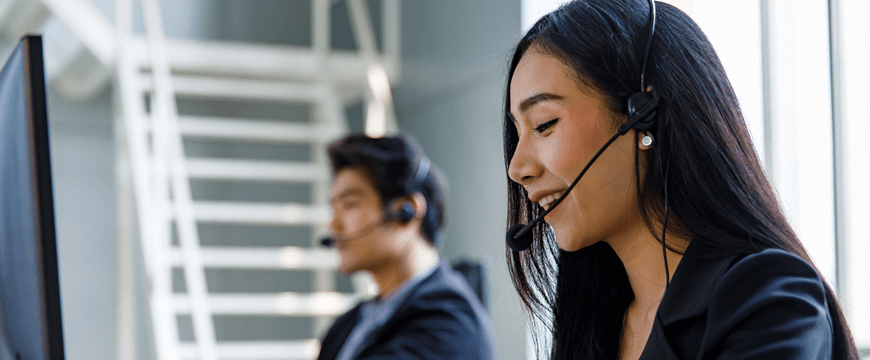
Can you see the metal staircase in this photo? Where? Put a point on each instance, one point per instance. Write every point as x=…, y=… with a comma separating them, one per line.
x=156, y=205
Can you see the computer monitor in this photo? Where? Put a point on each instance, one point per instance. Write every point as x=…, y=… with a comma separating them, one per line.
x=30, y=322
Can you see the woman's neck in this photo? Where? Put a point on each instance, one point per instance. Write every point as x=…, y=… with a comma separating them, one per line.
x=641, y=254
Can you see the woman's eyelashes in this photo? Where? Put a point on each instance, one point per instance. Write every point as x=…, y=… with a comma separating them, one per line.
x=540, y=129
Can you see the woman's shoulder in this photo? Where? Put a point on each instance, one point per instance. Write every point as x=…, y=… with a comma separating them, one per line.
x=771, y=276
x=770, y=298
x=773, y=263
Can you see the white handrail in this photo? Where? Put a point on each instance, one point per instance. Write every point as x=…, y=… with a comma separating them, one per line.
x=380, y=112
x=166, y=118
x=128, y=100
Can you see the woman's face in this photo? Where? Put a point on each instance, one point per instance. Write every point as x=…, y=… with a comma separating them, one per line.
x=560, y=126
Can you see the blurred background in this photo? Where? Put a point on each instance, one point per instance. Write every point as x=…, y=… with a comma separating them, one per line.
x=190, y=179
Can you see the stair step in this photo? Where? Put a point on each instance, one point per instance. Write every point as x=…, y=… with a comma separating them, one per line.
x=232, y=212
x=234, y=88
x=257, y=130
x=288, y=257
x=326, y=303
x=255, y=170
x=260, y=350
x=260, y=60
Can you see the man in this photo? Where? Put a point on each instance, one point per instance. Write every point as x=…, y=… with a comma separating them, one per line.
x=388, y=210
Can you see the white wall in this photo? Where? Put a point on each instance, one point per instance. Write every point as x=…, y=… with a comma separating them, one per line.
x=82, y=161
x=454, y=55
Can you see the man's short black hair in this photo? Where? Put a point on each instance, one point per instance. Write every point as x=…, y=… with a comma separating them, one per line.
x=391, y=163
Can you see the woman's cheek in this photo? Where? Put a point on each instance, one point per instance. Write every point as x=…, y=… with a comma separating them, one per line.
x=569, y=154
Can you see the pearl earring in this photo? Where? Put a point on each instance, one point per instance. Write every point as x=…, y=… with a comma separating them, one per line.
x=646, y=141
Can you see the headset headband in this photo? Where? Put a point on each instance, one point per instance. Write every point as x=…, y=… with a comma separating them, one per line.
x=422, y=172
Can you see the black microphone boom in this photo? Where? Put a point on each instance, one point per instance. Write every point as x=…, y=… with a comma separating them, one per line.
x=519, y=237
x=359, y=234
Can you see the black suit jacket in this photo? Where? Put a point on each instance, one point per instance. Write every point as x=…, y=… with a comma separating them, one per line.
x=440, y=319
x=767, y=305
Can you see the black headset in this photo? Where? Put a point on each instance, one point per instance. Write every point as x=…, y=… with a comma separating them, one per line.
x=642, y=109
x=407, y=211
x=404, y=214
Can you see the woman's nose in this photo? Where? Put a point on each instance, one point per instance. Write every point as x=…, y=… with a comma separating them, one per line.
x=524, y=166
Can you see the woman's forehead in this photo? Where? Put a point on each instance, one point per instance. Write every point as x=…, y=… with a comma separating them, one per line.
x=539, y=72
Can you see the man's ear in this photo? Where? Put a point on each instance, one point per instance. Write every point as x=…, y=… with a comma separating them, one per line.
x=420, y=205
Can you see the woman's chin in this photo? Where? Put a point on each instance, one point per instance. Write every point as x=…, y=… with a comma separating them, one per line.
x=569, y=242
x=570, y=247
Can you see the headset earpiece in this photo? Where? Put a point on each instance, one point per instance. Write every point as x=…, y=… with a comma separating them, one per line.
x=406, y=212
x=642, y=108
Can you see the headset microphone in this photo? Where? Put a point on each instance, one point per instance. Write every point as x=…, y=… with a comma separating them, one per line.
x=404, y=214
x=519, y=237
x=359, y=234
x=642, y=108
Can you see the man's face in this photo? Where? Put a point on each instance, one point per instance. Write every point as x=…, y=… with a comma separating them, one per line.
x=363, y=241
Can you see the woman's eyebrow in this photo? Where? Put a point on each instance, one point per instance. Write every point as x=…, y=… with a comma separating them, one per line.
x=535, y=99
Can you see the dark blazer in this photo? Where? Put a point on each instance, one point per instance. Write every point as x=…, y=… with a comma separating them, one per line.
x=440, y=319
x=768, y=305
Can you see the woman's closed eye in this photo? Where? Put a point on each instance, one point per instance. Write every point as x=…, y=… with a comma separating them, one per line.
x=540, y=129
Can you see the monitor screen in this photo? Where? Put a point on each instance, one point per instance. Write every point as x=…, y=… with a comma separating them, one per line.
x=30, y=322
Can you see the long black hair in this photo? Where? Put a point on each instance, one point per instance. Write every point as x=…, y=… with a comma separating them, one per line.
x=719, y=192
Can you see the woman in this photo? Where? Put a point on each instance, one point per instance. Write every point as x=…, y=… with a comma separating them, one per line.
x=735, y=282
